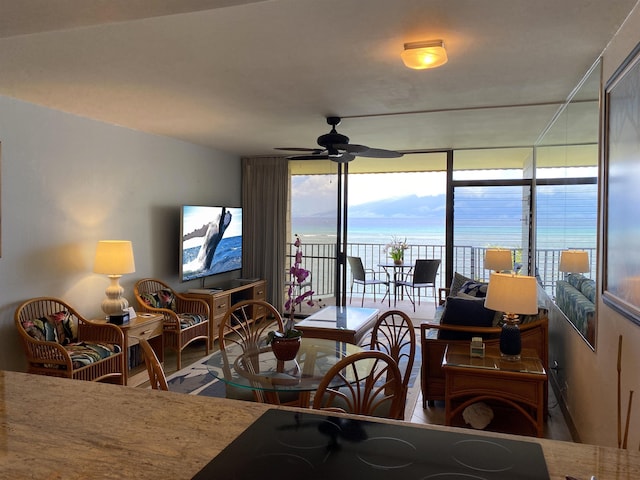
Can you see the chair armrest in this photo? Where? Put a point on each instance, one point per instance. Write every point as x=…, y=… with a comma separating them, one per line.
x=443, y=293
x=196, y=306
x=424, y=327
x=89, y=331
x=51, y=352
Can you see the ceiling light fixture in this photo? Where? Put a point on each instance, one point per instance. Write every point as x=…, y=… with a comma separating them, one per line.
x=421, y=55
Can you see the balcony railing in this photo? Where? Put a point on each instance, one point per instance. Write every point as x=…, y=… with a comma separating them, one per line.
x=319, y=259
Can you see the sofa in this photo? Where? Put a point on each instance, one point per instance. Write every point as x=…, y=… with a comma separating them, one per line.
x=456, y=322
x=576, y=297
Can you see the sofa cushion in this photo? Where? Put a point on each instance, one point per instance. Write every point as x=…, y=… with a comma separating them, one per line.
x=576, y=280
x=57, y=327
x=588, y=289
x=85, y=353
x=466, y=312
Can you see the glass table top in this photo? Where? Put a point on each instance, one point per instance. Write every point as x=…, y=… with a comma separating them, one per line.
x=460, y=356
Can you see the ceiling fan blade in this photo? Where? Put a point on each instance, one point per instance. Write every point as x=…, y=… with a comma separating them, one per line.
x=350, y=147
x=344, y=158
x=379, y=153
x=309, y=157
x=299, y=149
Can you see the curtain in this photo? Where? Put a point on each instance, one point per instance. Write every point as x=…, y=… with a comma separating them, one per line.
x=265, y=197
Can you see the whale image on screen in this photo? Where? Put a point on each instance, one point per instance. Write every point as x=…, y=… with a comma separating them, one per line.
x=210, y=241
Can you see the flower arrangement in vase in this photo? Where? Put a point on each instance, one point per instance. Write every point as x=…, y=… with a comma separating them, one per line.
x=289, y=340
x=396, y=249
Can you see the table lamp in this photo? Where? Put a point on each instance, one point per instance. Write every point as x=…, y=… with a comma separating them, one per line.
x=513, y=295
x=114, y=258
x=574, y=261
x=498, y=259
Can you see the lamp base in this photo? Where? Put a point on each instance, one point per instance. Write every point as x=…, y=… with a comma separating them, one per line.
x=510, y=341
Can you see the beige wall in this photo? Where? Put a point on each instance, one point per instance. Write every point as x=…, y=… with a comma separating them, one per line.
x=591, y=385
x=68, y=182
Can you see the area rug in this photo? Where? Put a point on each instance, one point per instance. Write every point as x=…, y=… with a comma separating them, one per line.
x=197, y=379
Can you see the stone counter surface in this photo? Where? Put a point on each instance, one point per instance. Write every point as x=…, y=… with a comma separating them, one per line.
x=69, y=429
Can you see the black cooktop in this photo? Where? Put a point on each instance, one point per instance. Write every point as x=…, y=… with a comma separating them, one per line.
x=287, y=445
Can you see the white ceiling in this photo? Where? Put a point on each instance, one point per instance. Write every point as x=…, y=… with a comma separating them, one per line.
x=247, y=76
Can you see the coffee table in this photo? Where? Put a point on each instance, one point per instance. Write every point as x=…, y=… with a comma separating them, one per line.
x=342, y=324
x=517, y=384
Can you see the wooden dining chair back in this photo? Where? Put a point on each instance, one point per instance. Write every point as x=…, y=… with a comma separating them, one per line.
x=60, y=342
x=186, y=319
x=246, y=326
x=395, y=335
x=365, y=276
x=157, y=378
x=423, y=275
x=365, y=383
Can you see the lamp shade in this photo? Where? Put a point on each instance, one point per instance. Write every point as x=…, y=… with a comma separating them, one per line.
x=421, y=55
x=498, y=259
x=574, y=261
x=114, y=257
x=512, y=293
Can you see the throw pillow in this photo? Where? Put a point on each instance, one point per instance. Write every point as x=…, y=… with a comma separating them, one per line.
x=466, y=312
x=473, y=288
x=456, y=282
x=57, y=327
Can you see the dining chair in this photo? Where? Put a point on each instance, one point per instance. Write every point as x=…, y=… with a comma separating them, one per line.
x=422, y=275
x=395, y=335
x=365, y=276
x=243, y=328
x=365, y=383
x=157, y=378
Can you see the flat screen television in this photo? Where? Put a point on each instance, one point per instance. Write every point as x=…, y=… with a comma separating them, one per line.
x=210, y=241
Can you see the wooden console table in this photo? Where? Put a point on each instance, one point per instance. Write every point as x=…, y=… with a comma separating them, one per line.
x=221, y=301
x=516, y=384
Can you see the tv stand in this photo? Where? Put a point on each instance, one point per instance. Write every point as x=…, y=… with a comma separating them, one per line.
x=222, y=299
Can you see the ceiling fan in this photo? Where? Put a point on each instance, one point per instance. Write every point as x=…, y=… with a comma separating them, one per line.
x=336, y=147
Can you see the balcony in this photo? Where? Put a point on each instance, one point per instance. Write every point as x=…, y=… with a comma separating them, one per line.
x=468, y=261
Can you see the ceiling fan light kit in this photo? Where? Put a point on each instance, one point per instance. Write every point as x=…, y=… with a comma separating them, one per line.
x=421, y=55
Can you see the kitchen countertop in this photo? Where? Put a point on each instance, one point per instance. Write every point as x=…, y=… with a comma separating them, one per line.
x=69, y=429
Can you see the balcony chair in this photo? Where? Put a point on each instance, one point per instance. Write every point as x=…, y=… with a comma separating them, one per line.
x=246, y=326
x=59, y=342
x=359, y=276
x=395, y=335
x=185, y=319
x=365, y=383
x=157, y=378
x=422, y=275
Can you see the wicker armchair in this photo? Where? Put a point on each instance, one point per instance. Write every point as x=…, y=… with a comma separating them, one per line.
x=185, y=319
x=59, y=342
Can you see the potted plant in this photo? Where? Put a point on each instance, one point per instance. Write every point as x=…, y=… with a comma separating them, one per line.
x=396, y=249
x=286, y=344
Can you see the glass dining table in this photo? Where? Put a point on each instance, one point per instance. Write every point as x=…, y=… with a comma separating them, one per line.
x=258, y=370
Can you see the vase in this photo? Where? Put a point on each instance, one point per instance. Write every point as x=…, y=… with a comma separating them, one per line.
x=398, y=261
x=285, y=349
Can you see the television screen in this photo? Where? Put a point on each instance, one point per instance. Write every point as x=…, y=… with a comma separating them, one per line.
x=211, y=241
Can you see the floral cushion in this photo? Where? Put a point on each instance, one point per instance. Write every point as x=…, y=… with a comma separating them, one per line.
x=57, y=327
x=83, y=353
x=161, y=299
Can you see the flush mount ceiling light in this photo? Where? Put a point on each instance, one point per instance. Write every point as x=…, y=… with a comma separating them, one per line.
x=421, y=55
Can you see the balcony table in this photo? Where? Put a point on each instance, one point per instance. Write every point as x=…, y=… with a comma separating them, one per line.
x=149, y=434
x=398, y=273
